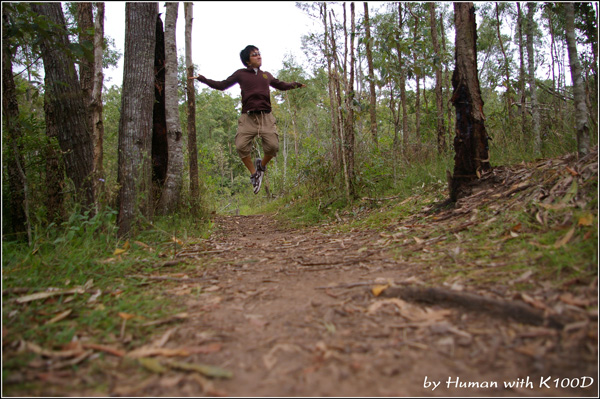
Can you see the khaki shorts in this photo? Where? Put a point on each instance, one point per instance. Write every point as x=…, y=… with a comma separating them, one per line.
x=249, y=126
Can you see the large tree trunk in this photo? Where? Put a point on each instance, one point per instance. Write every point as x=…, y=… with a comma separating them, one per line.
x=85, y=24
x=535, y=112
x=439, y=102
x=135, y=126
x=66, y=106
x=471, y=140
x=581, y=112
x=16, y=205
x=191, y=106
x=170, y=197
x=373, y=104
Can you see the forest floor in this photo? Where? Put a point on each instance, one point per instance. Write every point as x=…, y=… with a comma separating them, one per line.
x=413, y=309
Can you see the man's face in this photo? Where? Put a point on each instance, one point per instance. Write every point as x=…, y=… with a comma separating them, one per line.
x=255, y=59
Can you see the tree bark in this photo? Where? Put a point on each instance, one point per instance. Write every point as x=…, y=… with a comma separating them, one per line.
x=471, y=140
x=18, y=201
x=535, y=112
x=405, y=133
x=170, y=197
x=441, y=133
x=135, y=125
x=96, y=100
x=349, y=125
x=191, y=107
x=373, y=97
x=66, y=108
x=508, y=94
x=522, y=72
x=581, y=112
x=160, y=152
x=85, y=23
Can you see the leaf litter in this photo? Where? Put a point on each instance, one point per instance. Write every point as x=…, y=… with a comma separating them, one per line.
x=297, y=313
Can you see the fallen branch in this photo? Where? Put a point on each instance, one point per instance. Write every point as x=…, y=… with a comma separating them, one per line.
x=508, y=309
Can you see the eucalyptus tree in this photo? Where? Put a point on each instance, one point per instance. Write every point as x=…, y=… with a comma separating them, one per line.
x=135, y=126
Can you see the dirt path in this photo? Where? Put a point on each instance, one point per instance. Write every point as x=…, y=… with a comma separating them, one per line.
x=269, y=319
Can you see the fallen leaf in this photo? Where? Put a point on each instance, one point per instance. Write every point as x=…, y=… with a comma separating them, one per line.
x=564, y=240
x=204, y=369
x=152, y=365
x=120, y=251
x=586, y=220
x=104, y=348
x=378, y=289
x=177, y=240
x=44, y=295
x=152, y=351
x=126, y=316
x=569, y=299
x=59, y=317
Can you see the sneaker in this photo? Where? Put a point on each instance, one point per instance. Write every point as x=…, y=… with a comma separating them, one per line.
x=259, y=167
x=256, y=180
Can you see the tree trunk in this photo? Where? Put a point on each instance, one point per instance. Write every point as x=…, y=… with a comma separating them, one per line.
x=66, y=109
x=160, y=152
x=439, y=102
x=191, y=107
x=135, y=125
x=405, y=133
x=170, y=197
x=447, y=83
x=373, y=105
x=581, y=111
x=338, y=109
x=335, y=147
x=85, y=23
x=535, y=112
x=522, y=72
x=349, y=125
x=471, y=140
x=417, y=78
x=96, y=104
x=16, y=210
x=508, y=94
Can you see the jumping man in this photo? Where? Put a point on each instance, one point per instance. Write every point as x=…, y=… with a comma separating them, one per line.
x=256, y=118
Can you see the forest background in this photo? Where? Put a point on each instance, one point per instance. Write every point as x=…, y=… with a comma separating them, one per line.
x=381, y=81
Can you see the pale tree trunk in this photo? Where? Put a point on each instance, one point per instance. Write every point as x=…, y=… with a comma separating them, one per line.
x=581, y=112
x=522, y=71
x=335, y=147
x=170, y=196
x=96, y=104
x=373, y=104
x=405, y=133
x=349, y=107
x=441, y=134
x=66, y=108
x=535, y=112
x=18, y=198
x=135, y=125
x=191, y=106
x=417, y=78
x=447, y=82
x=471, y=140
x=338, y=108
x=508, y=94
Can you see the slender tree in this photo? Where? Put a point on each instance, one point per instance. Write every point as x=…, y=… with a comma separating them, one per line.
x=170, y=195
x=441, y=133
x=372, y=96
x=581, y=112
x=535, y=112
x=471, y=141
x=135, y=126
x=191, y=106
x=508, y=94
x=96, y=100
x=402, y=79
x=522, y=77
x=331, y=88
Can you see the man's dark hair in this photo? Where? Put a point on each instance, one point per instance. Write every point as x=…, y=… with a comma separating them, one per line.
x=245, y=54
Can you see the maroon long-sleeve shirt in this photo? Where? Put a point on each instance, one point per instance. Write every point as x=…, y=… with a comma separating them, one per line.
x=255, y=87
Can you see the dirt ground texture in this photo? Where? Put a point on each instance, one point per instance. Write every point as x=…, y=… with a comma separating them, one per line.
x=304, y=312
